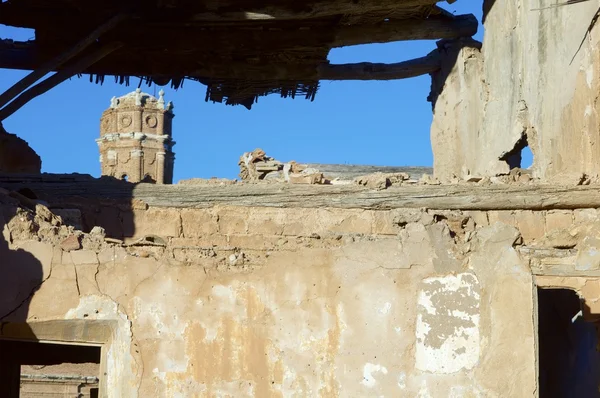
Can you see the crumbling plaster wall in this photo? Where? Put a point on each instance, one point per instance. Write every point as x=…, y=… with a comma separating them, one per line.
x=237, y=301
x=529, y=79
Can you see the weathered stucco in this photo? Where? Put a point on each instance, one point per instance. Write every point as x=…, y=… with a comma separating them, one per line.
x=530, y=80
x=256, y=301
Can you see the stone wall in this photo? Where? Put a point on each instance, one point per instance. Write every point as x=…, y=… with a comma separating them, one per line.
x=256, y=301
x=534, y=78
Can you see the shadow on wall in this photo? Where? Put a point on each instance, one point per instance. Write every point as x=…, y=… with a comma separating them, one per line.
x=16, y=156
x=21, y=272
x=82, y=201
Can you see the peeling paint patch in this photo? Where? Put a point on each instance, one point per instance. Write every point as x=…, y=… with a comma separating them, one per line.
x=385, y=309
x=402, y=380
x=368, y=370
x=448, y=324
x=424, y=391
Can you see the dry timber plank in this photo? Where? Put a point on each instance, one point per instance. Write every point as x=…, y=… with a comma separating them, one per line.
x=58, y=61
x=59, y=77
x=376, y=71
x=432, y=28
x=434, y=197
x=450, y=197
x=12, y=59
x=313, y=9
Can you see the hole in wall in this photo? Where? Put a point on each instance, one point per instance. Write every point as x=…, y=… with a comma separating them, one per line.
x=569, y=362
x=125, y=177
x=526, y=158
x=520, y=156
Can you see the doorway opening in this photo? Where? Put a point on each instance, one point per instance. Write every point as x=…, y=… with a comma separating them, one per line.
x=33, y=369
x=569, y=361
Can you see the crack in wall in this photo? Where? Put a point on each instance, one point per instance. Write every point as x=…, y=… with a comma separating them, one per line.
x=29, y=297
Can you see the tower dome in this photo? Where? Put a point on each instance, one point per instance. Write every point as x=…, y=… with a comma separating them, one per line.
x=136, y=138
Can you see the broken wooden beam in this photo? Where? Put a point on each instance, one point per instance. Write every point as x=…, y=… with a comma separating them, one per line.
x=59, y=77
x=59, y=60
x=269, y=72
x=374, y=71
x=432, y=28
x=313, y=9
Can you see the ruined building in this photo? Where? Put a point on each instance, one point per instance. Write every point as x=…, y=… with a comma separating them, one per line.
x=481, y=281
x=135, y=139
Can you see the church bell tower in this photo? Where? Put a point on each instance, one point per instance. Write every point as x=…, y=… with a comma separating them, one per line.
x=135, y=139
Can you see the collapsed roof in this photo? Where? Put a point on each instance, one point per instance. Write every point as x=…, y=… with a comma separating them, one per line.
x=239, y=49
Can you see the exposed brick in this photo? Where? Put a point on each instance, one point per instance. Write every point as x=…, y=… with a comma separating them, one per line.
x=163, y=222
x=266, y=221
x=585, y=215
x=558, y=219
x=233, y=220
x=503, y=216
x=198, y=222
x=84, y=257
x=346, y=221
x=480, y=217
x=383, y=223
x=71, y=243
x=531, y=224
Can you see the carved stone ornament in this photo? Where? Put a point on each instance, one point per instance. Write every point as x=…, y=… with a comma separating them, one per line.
x=151, y=121
x=126, y=121
x=105, y=125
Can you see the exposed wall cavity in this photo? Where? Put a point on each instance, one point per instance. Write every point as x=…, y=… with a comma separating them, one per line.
x=514, y=157
x=569, y=361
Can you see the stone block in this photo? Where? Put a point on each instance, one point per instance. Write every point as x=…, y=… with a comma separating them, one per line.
x=71, y=243
x=233, y=220
x=346, y=221
x=198, y=222
x=266, y=221
x=383, y=223
x=106, y=255
x=164, y=222
x=558, y=219
x=479, y=217
x=84, y=257
x=585, y=215
x=504, y=216
x=531, y=224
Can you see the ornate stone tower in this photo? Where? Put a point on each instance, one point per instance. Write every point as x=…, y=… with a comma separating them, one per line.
x=135, y=139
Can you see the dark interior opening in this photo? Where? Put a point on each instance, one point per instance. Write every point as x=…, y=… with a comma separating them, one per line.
x=569, y=361
x=32, y=369
x=514, y=158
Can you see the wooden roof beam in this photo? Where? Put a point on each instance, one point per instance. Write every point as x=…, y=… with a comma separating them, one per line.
x=314, y=9
x=56, y=62
x=357, y=71
x=373, y=71
x=432, y=28
x=69, y=71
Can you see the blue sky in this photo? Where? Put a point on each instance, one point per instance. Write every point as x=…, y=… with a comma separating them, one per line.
x=377, y=123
